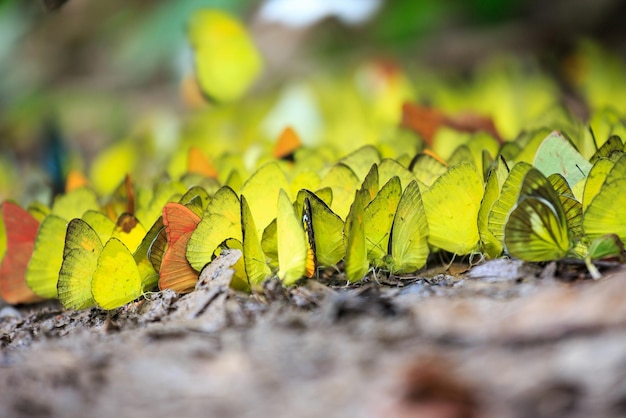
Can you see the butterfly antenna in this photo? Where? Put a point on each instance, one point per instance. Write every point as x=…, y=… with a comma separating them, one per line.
x=581, y=171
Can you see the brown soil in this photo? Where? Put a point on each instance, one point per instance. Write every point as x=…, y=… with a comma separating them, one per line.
x=504, y=339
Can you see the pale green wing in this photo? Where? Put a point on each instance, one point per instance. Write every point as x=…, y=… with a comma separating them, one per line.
x=556, y=154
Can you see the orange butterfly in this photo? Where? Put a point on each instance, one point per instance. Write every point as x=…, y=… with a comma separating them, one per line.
x=21, y=231
x=198, y=163
x=288, y=143
x=176, y=273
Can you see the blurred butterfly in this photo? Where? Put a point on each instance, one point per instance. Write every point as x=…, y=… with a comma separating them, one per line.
x=21, y=232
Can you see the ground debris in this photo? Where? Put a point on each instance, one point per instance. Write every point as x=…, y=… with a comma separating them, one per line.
x=439, y=344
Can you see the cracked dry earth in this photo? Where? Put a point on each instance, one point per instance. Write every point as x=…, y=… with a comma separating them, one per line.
x=504, y=339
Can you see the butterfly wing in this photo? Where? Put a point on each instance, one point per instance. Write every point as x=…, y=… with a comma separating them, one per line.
x=605, y=213
x=535, y=232
x=21, y=232
x=408, y=245
x=42, y=273
x=255, y=264
x=116, y=279
x=80, y=258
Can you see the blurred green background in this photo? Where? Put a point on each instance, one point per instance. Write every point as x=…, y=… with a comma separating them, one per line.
x=78, y=75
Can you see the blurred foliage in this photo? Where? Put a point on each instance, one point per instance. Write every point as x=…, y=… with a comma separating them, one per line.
x=93, y=73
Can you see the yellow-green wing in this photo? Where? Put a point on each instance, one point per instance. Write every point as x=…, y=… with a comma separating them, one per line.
x=164, y=193
x=503, y=205
x=149, y=263
x=572, y=208
x=389, y=168
x=100, y=223
x=343, y=182
x=611, y=149
x=597, y=176
x=80, y=258
x=492, y=246
x=73, y=204
x=221, y=221
x=371, y=183
x=361, y=160
x=227, y=61
x=605, y=213
x=194, y=193
x=327, y=230
x=408, y=244
x=608, y=245
x=355, y=261
x=116, y=280
x=427, y=169
x=261, y=191
x=255, y=264
x=42, y=273
x=3, y=239
x=269, y=244
x=535, y=232
x=129, y=230
x=292, y=248
x=38, y=211
x=377, y=220
x=451, y=206
x=461, y=154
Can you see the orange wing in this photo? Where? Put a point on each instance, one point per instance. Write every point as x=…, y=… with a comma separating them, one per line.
x=178, y=220
x=288, y=143
x=176, y=273
x=75, y=180
x=21, y=231
x=198, y=163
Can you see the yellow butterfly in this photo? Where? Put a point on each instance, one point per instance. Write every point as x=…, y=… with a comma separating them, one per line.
x=256, y=267
x=42, y=273
x=116, y=279
x=343, y=182
x=378, y=218
x=323, y=227
x=292, y=247
x=261, y=191
x=355, y=261
x=80, y=259
x=227, y=61
x=221, y=221
x=408, y=243
x=451, y=206
x=605, y=213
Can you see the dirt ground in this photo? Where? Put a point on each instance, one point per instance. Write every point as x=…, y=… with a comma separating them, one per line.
x=504, y=339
